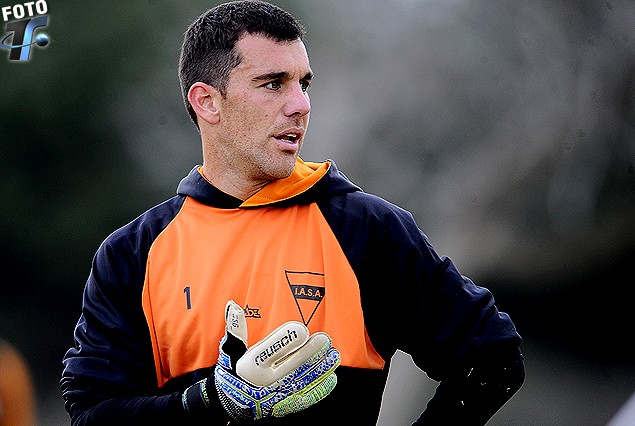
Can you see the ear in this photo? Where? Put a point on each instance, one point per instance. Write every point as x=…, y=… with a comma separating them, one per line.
x=205, y=101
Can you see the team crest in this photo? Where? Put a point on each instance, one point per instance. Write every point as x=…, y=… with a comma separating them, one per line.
x=308, y=290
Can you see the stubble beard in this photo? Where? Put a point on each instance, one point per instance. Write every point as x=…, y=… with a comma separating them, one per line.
x=277, y=168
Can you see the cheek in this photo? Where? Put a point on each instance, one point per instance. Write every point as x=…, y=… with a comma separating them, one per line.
x=252, y=111
x=250, y=117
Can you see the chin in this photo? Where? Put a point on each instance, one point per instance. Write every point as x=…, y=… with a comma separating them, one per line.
x=285, y=173
x=278, y=168
x=286, y=167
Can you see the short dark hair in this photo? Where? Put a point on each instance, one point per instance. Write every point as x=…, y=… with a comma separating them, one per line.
x=208, y=52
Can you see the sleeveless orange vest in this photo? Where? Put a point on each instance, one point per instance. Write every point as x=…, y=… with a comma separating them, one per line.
x=279, y=264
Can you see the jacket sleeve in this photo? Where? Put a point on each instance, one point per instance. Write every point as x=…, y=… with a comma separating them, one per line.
x=477, y=359
x=450, y=326
x=110, y=357
x=458, y=335
x=109, y=375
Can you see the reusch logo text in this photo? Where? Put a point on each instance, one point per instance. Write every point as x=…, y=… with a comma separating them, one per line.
x=276, y=346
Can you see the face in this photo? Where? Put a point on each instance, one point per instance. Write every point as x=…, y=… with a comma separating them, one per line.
x=265, y=113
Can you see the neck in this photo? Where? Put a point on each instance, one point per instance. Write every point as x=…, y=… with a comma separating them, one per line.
x=232, y=183
x=232, y=180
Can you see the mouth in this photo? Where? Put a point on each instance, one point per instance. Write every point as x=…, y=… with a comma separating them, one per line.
x=289, y=137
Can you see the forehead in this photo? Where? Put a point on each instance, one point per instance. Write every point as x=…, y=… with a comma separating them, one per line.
x=260, y=54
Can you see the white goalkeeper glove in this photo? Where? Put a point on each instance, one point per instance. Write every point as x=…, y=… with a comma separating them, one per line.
x=286, y=372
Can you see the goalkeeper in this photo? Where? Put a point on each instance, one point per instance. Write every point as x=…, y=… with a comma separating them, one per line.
x=270, y=290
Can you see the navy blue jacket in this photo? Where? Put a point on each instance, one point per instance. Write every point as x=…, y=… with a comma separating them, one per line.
x=412, y=299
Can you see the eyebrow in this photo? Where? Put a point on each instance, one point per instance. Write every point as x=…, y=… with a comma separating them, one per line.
x=282, y=75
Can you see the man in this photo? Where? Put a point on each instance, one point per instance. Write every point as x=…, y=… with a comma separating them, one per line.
x=269, y=289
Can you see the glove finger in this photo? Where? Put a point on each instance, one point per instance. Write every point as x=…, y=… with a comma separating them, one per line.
x=235, y=322
x=313, y=372
x=266, y=361
x=305, y=398
x=313, y=351
x=308, y=387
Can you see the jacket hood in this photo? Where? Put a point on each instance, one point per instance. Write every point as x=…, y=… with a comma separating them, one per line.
x=308, y=182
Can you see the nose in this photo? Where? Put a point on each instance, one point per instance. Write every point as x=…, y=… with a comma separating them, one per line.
x=298, y=102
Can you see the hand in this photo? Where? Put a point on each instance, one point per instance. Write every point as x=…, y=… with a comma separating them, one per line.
x=284, y=373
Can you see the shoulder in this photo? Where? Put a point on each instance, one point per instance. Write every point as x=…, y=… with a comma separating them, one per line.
x=122, y=255
x=371, y=210
x=145, y=227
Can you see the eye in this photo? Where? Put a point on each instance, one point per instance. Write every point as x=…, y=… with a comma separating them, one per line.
x=273, y=85
x=305, y=84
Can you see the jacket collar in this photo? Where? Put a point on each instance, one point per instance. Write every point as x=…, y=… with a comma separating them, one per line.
x=304, y=176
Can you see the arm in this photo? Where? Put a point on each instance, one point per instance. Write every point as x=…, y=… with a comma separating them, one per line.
x=133, y=411
x=129, y=411
x=111, y=361
x=466, y=344
x=452, y=327
x=109, y=375
x=478, y=362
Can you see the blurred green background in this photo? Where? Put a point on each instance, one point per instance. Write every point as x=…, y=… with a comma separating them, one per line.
x=506, y=127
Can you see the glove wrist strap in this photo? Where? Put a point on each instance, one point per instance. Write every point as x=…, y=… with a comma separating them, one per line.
x=195, y=398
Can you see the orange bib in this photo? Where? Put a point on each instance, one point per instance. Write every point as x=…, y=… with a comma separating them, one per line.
x=279, y=264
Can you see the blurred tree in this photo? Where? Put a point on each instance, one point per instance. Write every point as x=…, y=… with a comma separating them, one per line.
x=66, y=176
x=507, y=128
